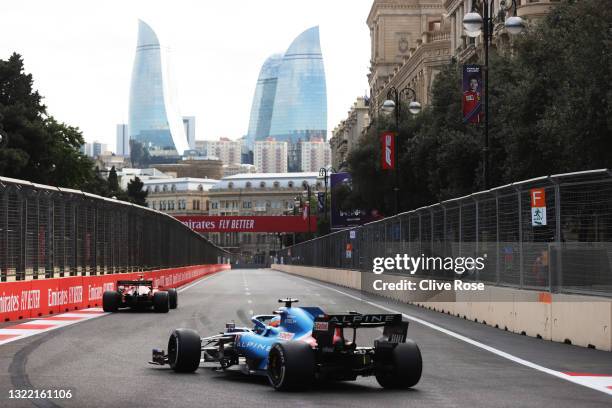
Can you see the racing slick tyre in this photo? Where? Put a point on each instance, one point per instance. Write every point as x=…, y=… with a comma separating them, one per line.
x=111, y=300
x=161, y=303
x=173, y=298
x=184, y=350
x=291, y=366
x=404, y=368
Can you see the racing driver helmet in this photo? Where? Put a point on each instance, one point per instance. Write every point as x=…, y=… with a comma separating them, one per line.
x=275, y=321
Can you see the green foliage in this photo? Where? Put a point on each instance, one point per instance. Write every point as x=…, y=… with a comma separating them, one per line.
x=35, y=146
x=136, y=193
x=113, y=181
x=550, y=112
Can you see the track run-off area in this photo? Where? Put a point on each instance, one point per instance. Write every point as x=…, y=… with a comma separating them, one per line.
x=102, y=361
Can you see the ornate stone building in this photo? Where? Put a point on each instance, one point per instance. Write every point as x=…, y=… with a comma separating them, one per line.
x=408, y=42
x=345, y=136
x=467, y=49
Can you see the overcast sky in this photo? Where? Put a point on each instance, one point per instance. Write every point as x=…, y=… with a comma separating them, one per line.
x=80, y=54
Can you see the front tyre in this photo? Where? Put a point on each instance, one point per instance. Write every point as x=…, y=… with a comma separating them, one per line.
x=111, y=299
x=173, y=298
x=184, y=350
x=403, y=368
x=291, y=366
x=161, y=302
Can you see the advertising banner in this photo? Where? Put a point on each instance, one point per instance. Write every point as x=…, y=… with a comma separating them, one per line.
x=472, y=94
x=342, y=218
x=255, y=223
x=387, y=150
x=34, y=298
x=321, y=202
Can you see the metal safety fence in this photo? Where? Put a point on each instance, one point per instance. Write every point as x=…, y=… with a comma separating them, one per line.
x=49, y=232
x=568, y=250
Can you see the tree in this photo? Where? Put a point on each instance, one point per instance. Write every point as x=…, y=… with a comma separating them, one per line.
x=136, y=192
x=35, y=146
x=550, y=112
x=113, y=181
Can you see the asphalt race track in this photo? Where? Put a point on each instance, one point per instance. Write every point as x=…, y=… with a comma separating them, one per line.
x=103, y=361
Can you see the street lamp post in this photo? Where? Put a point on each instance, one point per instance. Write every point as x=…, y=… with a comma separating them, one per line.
x=472, y=23
x=393, y=104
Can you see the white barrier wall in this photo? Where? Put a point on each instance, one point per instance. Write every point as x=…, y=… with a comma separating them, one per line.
x=582, y=320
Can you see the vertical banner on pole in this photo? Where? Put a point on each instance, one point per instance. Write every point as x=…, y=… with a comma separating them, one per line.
x=321, y=202
x=471, y=99
x=387, y=148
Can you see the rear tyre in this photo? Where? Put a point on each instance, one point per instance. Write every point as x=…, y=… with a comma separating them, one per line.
x=161, y=303
x=111, y=299
x=184, y=350
x=291, y=366
x=173, y=298
x=404, y=368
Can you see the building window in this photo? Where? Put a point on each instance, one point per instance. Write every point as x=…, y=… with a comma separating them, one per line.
x=173, y=188
x=276, y=184
x=262, y=184
x=305, y=184
x=248, y=184
x=230, y=185
x=200, y=188
x=157, y=189
x=290, y=184
x=165, y=188
x=153, y=205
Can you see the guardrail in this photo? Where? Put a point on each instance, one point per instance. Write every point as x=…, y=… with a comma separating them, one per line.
x=572, y=253
x=49, y=232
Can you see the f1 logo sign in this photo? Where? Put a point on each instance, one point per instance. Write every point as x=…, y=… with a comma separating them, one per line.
x=387, y=150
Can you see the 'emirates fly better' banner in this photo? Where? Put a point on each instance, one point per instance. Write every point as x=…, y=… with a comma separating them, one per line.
x=255, y=223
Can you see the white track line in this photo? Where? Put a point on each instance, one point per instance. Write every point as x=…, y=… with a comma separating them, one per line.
x=196, y=282
x=592, y=382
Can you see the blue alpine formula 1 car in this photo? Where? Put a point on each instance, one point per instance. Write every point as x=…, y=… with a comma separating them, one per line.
x=298, y=346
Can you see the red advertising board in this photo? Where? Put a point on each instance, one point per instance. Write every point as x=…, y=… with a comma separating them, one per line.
x=255, y=223
x=34, y=298
x=387, y=150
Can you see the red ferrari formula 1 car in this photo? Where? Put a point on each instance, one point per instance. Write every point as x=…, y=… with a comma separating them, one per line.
x=139, y=294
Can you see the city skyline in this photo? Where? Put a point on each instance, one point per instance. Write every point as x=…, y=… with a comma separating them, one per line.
x=102, y=57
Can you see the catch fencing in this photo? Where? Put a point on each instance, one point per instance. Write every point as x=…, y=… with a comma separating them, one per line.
x=50, y=232
x=571, y=253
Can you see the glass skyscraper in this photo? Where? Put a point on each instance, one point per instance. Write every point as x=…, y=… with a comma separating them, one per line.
x=300, y=104
x=153, y=119
x=263, y=101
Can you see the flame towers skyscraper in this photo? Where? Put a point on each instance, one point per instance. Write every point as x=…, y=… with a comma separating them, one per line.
x=154, y=120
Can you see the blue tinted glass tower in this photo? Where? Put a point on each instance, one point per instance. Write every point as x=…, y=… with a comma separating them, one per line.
x=300, y=104
x=263, y=101
x=153, y=119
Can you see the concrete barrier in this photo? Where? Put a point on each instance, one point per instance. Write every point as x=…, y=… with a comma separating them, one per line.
x=580, y=320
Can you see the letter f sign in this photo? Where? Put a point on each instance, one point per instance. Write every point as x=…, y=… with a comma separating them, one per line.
x=388, y=150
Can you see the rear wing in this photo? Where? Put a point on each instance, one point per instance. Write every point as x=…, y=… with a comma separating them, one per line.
x=395, y=329
x=358, y=320
x=135, y=283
